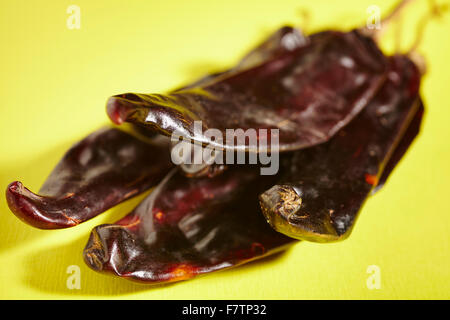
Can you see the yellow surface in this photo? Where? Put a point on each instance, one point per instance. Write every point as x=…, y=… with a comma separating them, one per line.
x=54, y=84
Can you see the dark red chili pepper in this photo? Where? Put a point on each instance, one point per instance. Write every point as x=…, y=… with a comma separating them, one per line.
x=188, y=227
x=346, y=115
x=104, y=169
x=308, y=93
x=321, y=195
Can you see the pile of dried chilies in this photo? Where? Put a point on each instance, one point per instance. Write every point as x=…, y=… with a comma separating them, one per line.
x=346, y=114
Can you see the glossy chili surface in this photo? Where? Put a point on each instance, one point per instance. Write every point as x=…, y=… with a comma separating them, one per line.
x=102, y=170
x=306, y=87
x=187, y=227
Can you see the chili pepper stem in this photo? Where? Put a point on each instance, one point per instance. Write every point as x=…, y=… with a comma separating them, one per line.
x=435, y=11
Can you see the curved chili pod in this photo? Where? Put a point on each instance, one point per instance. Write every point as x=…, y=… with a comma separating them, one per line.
x=187, y=227
x=319, y=199
x=308, y=93
x=104, y=169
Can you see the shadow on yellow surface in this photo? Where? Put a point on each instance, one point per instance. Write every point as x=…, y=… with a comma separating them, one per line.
x=104, y=284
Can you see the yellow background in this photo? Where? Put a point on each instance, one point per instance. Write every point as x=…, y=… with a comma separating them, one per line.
x=54, y=84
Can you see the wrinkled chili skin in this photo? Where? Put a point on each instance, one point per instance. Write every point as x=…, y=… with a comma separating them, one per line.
x=188, y=227
x=102, y=170
x=308, y=93
x=322, y=92
x=320, y=197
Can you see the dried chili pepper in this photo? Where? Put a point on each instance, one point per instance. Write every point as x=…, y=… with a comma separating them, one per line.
x=104, y=169
x=308, y=93
x=321, y=195
x=346, y=115
x=188, y=227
